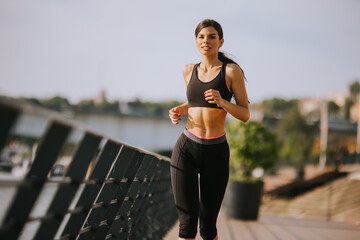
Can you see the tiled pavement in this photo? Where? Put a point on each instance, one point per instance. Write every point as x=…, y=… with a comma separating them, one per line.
x=279, y=228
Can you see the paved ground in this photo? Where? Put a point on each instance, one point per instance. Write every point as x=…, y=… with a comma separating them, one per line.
x=271, y=227
x=278, y=228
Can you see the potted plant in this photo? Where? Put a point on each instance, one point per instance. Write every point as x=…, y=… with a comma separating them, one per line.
x=251, y=146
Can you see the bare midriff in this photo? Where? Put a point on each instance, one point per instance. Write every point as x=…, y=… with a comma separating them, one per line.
x=206, y=122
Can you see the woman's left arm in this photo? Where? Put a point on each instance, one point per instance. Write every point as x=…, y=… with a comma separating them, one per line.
x=240, y=110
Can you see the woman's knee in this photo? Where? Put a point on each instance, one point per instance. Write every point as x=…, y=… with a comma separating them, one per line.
x=188, y=225
x=208, y=229
x=208, y=233
x=187, y=231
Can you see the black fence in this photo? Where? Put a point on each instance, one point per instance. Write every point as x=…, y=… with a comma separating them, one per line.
x=108, y=190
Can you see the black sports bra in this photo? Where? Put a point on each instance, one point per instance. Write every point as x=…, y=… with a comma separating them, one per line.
x=196, y=88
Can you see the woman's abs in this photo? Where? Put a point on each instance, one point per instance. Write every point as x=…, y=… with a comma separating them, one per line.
x=206, y=122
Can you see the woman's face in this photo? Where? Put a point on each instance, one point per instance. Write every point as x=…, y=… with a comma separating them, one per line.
x=208, y=42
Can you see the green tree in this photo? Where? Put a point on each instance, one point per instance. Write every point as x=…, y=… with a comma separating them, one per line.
x=348, y=104
x=85, y=106
x=153, y=108
x=109, y=106
x=334, y=109
x=277, y=107
x=354, y=89
x=33, y=100
x=251, y=145
x=295, y=138
x=56, y=103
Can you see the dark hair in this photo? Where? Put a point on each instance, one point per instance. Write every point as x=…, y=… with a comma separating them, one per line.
x=221, y=56
x=212, y=23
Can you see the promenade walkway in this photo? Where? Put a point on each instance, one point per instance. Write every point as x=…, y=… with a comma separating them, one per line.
x=279, y=228
x=275, y=223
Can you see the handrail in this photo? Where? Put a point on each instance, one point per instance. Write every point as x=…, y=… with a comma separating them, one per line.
x=109, y=189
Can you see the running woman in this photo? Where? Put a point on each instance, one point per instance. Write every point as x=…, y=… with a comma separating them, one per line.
x=200, y=159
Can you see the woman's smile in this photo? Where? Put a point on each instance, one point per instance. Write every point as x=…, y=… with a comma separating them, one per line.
x=206, y=48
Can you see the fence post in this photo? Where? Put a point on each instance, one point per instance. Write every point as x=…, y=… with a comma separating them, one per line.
x=29, y=189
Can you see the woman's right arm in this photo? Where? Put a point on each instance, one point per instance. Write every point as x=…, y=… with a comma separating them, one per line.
x=176, y=112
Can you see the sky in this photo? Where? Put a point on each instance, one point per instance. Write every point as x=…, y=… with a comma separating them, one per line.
x=137, y=49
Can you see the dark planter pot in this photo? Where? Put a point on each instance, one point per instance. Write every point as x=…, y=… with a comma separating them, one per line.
x=242, y=200
x=300, y=173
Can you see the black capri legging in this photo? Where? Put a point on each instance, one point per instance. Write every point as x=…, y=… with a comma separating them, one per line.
x=204, y=163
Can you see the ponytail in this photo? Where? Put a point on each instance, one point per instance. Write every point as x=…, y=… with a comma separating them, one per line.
x=223, y=58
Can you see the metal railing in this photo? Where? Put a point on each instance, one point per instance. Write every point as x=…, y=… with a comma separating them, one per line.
x=109, y=190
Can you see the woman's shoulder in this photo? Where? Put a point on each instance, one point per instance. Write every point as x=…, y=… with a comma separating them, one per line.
x=233, y=67
x=188, y=68
x=187, y=71
x=234, y=70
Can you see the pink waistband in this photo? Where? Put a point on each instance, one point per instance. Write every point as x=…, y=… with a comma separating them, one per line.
x=205, y=137
x=204, y=140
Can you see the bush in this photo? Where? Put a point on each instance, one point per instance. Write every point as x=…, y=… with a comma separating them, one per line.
x=251, y=146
